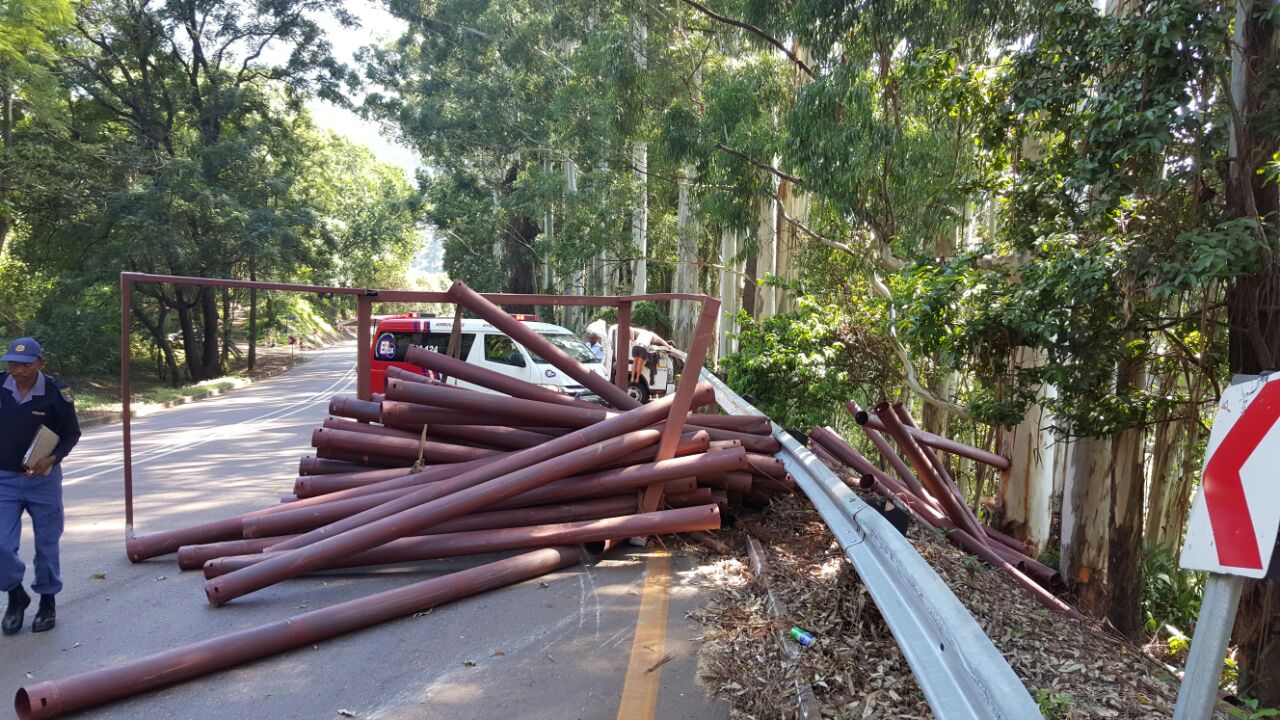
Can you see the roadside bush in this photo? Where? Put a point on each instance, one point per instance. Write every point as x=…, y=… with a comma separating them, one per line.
x=801, y=367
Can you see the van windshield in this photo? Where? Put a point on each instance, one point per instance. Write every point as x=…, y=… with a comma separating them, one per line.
x=570, y=344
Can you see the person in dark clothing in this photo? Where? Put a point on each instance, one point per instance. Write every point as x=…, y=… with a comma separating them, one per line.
x=28, y=399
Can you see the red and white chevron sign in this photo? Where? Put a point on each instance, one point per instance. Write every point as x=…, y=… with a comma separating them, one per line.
x=1233, y=523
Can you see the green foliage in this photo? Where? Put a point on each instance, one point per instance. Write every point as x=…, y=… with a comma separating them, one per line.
x=651, y=316
x=1053, y=706
x=1249, y=710
x=801, y=367
x=1170, y=596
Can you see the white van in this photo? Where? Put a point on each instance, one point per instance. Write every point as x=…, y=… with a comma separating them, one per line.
x=484, y=346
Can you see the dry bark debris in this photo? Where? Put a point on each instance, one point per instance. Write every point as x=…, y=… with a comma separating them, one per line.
x=1074, y=670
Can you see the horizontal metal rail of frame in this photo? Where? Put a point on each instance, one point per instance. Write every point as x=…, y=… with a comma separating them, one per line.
x=961, y=672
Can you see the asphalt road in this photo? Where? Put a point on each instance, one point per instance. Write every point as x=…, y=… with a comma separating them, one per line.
x=555, y=648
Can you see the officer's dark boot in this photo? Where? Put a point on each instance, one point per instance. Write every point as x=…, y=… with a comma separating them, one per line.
x=18, y=602
x=46, y=616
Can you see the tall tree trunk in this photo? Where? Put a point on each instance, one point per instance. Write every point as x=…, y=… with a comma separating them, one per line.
x=6, y=136
x=210, y=366
x=517, y=242
x=1124, y=562
x=1025, y=495
x=253, y=315
x=1086, y=521
x=686, y=275
x=640, y=221
x=1253, y=301
x=766, y=260
x=227, y=325
x=730, y=293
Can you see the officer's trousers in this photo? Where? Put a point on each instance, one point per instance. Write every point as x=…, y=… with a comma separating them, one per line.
x=41, y=498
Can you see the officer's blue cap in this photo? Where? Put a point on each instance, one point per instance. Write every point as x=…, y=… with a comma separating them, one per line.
x=23, y=350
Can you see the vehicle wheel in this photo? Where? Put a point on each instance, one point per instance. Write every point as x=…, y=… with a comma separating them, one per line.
x=638, y=392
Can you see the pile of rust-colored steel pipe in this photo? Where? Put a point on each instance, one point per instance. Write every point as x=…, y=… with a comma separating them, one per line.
x=921, y=484
x=482, y=463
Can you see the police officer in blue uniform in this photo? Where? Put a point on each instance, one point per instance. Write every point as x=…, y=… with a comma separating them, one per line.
x=28, y=399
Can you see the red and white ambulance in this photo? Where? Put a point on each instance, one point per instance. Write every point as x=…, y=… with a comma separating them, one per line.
x=484, y=346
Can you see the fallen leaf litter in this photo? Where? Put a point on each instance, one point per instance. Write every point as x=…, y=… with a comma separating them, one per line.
x=1075, y=671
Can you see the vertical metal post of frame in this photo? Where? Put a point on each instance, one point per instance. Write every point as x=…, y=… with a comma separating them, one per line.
x=126, y=306
x=364, y=341
x=622, y=347
x=702, y=336
x=455, y=334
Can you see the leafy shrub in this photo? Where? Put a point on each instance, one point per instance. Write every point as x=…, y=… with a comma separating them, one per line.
x=801, y=367
x=1170, y=596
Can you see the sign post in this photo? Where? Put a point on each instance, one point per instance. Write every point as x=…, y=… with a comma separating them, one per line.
x=1232, y=528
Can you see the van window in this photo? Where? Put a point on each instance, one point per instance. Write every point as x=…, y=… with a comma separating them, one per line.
x=438, y=342
x=570, y=344
x=502, y=349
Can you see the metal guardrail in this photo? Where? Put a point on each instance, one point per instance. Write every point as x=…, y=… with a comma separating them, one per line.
x=961, y=672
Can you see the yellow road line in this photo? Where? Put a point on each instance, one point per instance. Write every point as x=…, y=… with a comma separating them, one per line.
x=640, y=692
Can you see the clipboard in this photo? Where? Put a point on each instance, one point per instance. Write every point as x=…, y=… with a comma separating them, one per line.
x=41, y=447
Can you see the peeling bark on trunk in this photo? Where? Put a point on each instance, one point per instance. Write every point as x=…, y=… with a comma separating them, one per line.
x=1027, y=487
x=766, y=259
x=730, y=293
x=686, y=276
x=1086, y=520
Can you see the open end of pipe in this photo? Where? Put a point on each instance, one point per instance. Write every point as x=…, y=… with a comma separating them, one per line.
x=868, y=481
x=213, y=592
x=22, y=704
x=861, y=417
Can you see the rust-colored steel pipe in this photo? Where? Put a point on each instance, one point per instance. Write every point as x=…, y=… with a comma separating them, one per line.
x=891, y=456
x=766, y=465
x=954, y=509
x=399, y=373
x=320, y=466
x=754, y=424
x=692, y=498
x=517, y=331
x=738, y=482
x=490, y=379
x=429, y=547
x=517, y=517
x=409, y=514
x=336, y=423
x=937, y=442
x=193, y=557
x=412, y=416
x=353, y=484
x=965, y=541
x=54, y=698
x=507, y=438
x=530, y=412
x=614, y=482
x=690, y=444
x=948, y=482
x=299, y=520
x=395, y=447
x=618, y=424
x=762, y=444
x=356, y=409
x=365, y=460
x=1008, y=541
